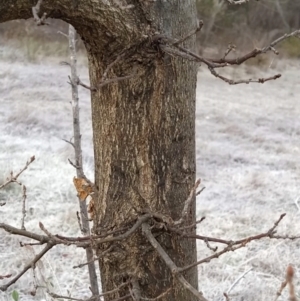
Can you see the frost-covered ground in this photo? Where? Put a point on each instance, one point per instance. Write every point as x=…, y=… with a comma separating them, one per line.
x=247, y=157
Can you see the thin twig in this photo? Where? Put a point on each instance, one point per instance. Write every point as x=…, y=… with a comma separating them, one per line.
x=237, y=281
x=35, y=11
x=13, y=178
x=231, y=47
x=187, y=203
x=192, y=225
x=69, y=142
x=75, y=166
x=214, y=249
x=243, y=81
x=198, y=28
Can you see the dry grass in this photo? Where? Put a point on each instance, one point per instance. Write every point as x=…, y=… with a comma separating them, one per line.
x=247, y=156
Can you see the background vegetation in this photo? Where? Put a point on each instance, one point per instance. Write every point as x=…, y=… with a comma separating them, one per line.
x=253, y=24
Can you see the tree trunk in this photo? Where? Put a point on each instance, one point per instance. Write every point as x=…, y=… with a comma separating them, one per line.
x=144, y=131
x=144, y=154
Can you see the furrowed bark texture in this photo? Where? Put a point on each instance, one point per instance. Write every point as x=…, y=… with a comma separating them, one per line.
x=144, y=133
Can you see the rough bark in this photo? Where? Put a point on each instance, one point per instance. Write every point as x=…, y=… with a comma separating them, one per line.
x=144, y=135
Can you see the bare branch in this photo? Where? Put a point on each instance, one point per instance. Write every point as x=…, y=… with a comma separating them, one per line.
x=82, y=242
x=231, y=47
x=243, y=81
x=255, y=52
x=12, y=230
x=172, y=47
x=35, y=11
x=233, y=245
x=270, y=234
x=28, y=266
x=13, y=178
x=169, y=262
x=215, y=255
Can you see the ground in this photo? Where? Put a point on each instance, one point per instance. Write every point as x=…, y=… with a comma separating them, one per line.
x=247, y=157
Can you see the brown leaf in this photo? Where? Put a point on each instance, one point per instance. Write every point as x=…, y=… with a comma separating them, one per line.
x=83, y=188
